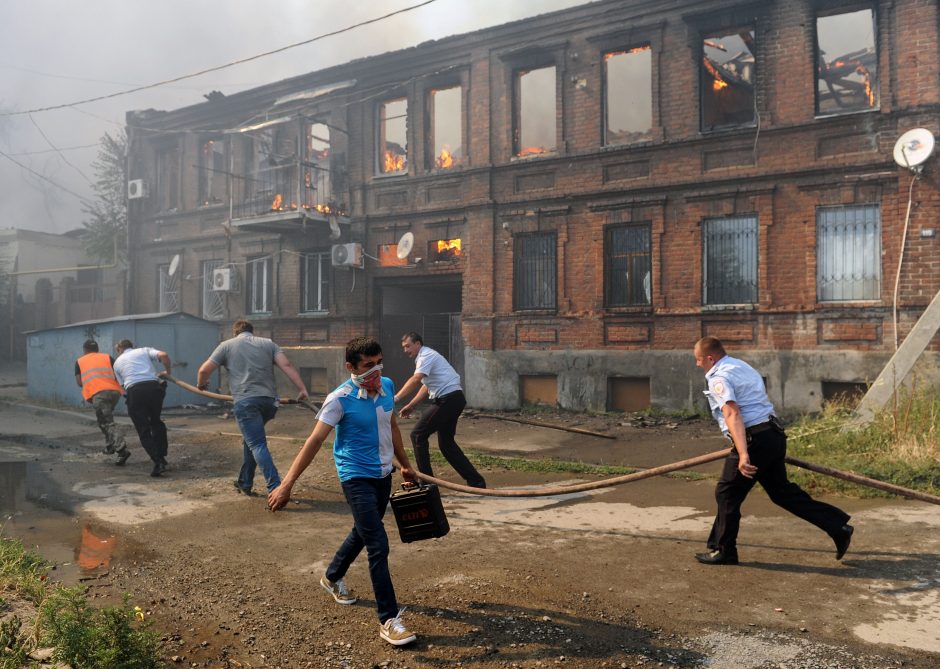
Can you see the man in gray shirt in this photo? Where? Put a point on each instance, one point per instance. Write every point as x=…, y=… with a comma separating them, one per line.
x=250, y=362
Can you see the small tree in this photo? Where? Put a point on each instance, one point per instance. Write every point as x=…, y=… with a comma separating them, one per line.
x=106, y=222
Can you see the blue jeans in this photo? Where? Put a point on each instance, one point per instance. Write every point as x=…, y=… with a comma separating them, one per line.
x=368, y=499
x=252, y=413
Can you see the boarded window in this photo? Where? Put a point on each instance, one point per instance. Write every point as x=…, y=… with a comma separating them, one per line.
x=846, y=62
x=538, y=389
x=259, y=289
x=627, y=279
x=446, y=111
x=727, y=79
x=315, y=281
x=729, y=260
x=393, y=136
x=848, y=248
x=535, y=271
x=628, y=96
x=534, y=119
x=213, y=301
x=625, y=393
x=212, y=172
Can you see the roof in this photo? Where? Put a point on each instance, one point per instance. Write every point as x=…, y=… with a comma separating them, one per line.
x=126, y=318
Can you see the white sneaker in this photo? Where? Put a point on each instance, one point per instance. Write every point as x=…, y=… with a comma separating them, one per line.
x=394, y=631
x=340, y=592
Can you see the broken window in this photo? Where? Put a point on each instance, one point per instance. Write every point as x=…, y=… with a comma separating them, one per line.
x=169, y=297
x=627, y=280
x=846, y=62
x=274, y=174
x=212, y=172
x=535, y=271
x=315, y=281
x=727, y=79
x=446, y=109
x=259, y=285
x=729, y=260
x=213, y=301
x=848, y=261
x=168, y=178
x=317, y=185
x=443, y=250
x=393, y=136
x=628, y=96
x=534, y=119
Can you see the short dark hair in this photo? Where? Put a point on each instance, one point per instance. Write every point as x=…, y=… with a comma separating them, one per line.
x=413, y=336
x=125, y=344
x=358, y=348
x=242, y=325
x=90, y=346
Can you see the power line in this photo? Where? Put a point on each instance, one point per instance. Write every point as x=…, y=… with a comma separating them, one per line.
x=61, y=148
x=56, y=149
x=44, y=178
x=220, y=67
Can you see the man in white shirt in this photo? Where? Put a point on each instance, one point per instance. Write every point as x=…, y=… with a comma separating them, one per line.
x=145, y=390
x=440, y=382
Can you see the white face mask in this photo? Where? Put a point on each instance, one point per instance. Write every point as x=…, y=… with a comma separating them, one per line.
x=359, y=378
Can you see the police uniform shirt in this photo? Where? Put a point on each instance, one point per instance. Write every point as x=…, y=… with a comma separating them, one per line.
x=135, y=365
x=440, y=377
x=733, y=380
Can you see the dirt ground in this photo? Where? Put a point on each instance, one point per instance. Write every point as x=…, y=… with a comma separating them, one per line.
x=602, y=579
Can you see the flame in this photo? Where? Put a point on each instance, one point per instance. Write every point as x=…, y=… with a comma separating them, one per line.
x=638, y=49
x=446, y=159
x=207, y=147
x=448, y=248
x=277, y=202
x=869, y=91
x=393, y=162
x=718, y=84
x=530, y=151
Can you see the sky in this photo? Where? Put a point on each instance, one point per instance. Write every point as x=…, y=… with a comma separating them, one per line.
x=61, y=51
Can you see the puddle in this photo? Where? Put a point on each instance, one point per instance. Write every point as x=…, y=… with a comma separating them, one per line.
x=12, y=485
x=95, y=551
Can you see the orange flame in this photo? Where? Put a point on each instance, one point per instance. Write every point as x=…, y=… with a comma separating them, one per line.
x=530, y=151
x=718, y=84
x=393, y=162
x=446, y=159
x=448, y=248
x=277, y=202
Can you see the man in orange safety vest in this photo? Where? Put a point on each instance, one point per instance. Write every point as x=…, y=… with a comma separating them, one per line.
x=94, y=374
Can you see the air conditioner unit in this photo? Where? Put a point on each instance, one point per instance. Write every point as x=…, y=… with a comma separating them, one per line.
x=222, y=279
x=136, y=189
x=346, y=255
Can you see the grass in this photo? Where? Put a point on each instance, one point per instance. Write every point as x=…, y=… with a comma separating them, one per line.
x=900, y=446
x=84, y=637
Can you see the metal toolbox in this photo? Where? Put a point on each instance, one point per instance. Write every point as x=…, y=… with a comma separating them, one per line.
x=419, y=512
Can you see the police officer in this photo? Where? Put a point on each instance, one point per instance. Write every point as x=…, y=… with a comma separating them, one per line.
x=94, y=374
x=739, y=402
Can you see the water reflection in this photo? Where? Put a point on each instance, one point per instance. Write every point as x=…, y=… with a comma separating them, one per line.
x=95, y=551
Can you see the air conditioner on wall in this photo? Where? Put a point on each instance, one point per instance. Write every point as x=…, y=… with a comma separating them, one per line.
x=346, y=255
x=222, y=279
x=136, y=189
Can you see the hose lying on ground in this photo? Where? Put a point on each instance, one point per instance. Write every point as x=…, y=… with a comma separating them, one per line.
x=228, y=398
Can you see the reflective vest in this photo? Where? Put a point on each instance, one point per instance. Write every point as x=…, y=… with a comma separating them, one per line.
x=97, y=374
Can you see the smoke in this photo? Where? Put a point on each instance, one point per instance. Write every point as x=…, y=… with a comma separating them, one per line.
x=58, y=51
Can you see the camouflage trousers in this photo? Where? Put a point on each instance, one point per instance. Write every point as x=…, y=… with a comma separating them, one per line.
x=104, y=403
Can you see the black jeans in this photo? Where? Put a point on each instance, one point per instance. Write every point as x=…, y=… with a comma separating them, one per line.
x=368, y=499
x=144, y=405
x=766, y=451
x=442, y=418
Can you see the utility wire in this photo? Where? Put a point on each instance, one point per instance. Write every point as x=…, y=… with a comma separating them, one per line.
x=61, y=148
x=44, y=178
x=56, y=149
x=220, y=67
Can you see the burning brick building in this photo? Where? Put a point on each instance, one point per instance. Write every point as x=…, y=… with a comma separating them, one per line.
x=587, y=193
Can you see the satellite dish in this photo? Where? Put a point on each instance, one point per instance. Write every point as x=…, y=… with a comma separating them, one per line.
x=913, y=148
x=405, y=245
x=174, y=265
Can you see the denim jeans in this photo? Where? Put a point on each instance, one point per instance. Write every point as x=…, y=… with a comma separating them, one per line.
x=368, y=499
x=251, y=414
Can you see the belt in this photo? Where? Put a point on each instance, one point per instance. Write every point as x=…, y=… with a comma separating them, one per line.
x=440, y=398
x=760, y=427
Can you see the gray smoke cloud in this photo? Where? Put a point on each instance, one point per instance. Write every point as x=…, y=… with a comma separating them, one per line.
x=60, y=51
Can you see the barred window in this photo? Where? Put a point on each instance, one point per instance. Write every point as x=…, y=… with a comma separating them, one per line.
x=213, y=301
x=848, y=248
x=535, y=271
x=315, y=282
x=627, y=280
x=169, y=297
x=729, y=260
x=259, y=285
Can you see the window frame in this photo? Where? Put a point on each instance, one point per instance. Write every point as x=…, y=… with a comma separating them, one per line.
x=431, y=136
x=519, y=243
x=207, y=294
x=208, y=172
x=755, y=249
x=324, y=281
x=605, y=94
x=380, y=136
x=875, y=253
x=846, y=8
x=703, y=35
x=168, y=290
x=267, y=288
x=515, y=126
x=609, y=231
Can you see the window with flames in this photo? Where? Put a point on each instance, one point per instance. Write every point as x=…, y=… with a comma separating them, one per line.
x=444, y=250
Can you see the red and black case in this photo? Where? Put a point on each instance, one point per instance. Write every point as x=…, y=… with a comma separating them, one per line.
x=419, y=512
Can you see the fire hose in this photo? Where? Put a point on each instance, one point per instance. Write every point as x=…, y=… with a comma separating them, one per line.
x=548, y=491
x=228, y=398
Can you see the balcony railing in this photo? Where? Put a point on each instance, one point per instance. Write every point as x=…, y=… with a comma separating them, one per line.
x=303, y=188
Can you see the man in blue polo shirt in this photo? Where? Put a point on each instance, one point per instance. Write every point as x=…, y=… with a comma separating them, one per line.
x=362, y=409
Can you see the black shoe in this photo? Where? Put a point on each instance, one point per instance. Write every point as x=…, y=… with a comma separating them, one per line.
x=122, y=457
x=158, y=468
x=164, y=464
x=843, y=538
x=717, y=557
x=243, y=491
x=108, y=450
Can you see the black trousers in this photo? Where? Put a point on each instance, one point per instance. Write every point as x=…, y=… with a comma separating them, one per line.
x=442, y=418
x=144, y=405
x=766, y=451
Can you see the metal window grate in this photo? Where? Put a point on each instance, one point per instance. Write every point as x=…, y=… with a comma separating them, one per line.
x=627, y=266
x=848, y=263
x=169, y=291
x=535, y=271
x=730, y=260
x=213, y=301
